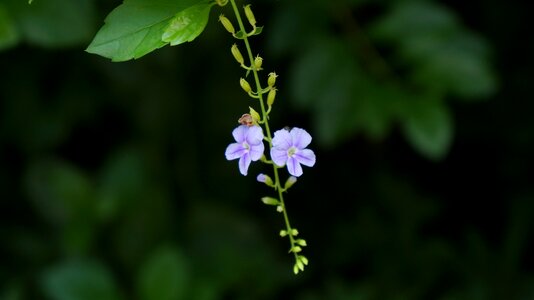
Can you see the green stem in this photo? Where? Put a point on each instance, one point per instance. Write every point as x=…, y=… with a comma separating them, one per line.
x=278, y=185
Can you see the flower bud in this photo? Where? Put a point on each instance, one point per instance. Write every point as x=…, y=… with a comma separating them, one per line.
x=222, y=2
x=245, y=86
x=250, y=15
x=301, y=242
x=283, y=233
x=258, y=62
x=227, y=24
x=294, y=232
x=270, y=201
x=255, y=115
x=272, y=79
x=279, y=208
x=290, y=182
x=296, y=269
x=303, y=259
x=270, y=99
x=237, y=54
x=296, y=249
x=300, y=265
x=265, y=179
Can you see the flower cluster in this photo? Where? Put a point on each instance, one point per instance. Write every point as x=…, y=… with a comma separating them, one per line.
x=286, y=148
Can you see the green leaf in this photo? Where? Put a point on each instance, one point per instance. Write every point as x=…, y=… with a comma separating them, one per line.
x=187, y=24
x=416, y=18
x=81, y=281
x=9, y=35
x=136, y=27
x=458, y=66
x=55, y=23
x=428, y=127
x=164, y=276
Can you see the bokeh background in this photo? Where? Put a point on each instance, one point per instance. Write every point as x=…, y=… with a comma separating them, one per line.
x=113, y=182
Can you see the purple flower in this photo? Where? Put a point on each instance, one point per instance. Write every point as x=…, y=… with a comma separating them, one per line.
x=289, y=148
x=249, y=146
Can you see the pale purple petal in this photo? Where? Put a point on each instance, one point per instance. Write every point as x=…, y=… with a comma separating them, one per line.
x=293, y=167
x=254, y=135
x=256, y=151
x=240, y=133
x=282, y=139
x=244, y=163
x=305, y=157
x=300, y=138
x=279, y=157
x=234, y=151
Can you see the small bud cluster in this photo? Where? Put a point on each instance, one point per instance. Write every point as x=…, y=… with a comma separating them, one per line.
x=250, y=136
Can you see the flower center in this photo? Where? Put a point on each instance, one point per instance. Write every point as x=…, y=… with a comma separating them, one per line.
x=291, y=151
x=246, y=146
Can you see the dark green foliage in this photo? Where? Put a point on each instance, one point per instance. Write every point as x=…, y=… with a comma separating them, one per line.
x=113, y=182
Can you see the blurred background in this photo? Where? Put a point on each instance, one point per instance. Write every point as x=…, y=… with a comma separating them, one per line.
x=114, y=185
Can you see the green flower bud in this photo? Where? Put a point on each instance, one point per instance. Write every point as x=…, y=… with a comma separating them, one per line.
x=255, y=115
x=270, y=101
x=237, y=54
x=296, y=249
x=283, y=233
x=303, y=259
x=301, y=242
x=300, y=265
x=294, y=232
x=227, y=24
x=270, y=201
x=258, y=62
x=245, y=86
x=290, y=182
x=250, y=15
x=222, y=2
x=272, y=79
x=295, y=269
x=279, y=208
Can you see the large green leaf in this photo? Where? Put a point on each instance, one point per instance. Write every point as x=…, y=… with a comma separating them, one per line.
x=136, y=27
x=187, y=24
x=428, y=127
x=80, y=280
x=8, y=33
x=164, y=276
x=54, y=23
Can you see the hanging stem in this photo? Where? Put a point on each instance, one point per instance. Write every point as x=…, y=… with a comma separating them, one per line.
x=278, y=185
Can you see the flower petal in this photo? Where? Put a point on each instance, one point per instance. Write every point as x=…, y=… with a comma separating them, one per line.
x=256, y=151
x=234, y=151
x=282, y=139
x=254, y=135
x=305, y=157
x=240, y=133
x=293, y=167
x=279, y=157
x=244, y=163
x=300, y=138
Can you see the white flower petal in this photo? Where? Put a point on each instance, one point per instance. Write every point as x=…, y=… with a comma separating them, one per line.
x=244, y=163
x=300, y=138
x=234, y=151
x=282, y=139
x=279, y=157
x=305, y=157
x=293, y=167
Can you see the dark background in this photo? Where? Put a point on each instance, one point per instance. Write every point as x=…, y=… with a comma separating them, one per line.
x=114, y=185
